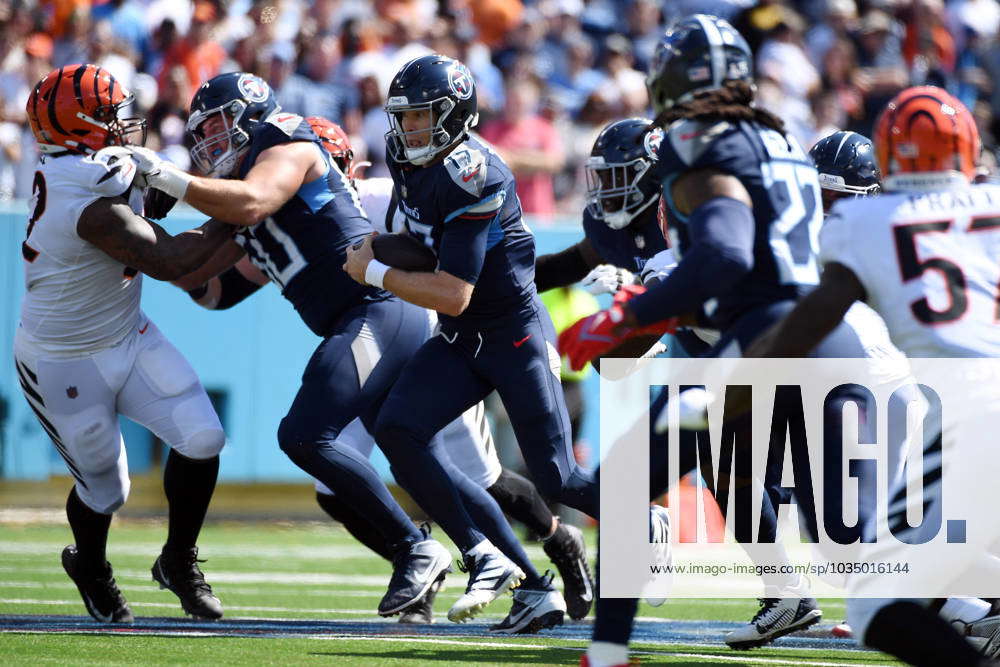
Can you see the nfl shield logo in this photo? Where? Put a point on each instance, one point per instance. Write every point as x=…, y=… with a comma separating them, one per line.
x=460, y=81
x=72, y=392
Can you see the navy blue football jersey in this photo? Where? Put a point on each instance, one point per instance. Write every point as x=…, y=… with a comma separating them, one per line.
x=787, y=208
x=466, y=208
x=303, y=245
x=627, y=248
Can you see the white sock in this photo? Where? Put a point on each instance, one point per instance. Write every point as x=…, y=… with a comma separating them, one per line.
x=481, y=549
x=606, y=654
x=966, y=610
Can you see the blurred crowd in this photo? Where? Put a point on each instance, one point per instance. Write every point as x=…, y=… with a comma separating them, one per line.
x=550, y=73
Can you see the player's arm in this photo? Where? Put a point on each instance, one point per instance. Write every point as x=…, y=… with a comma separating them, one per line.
x=110, y=224
x=721, y=230
x=813, y=318
x=559, y=269
x=276, y=176
x=229, y=288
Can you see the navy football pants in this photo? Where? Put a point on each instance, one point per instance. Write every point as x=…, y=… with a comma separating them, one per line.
x=457, y=369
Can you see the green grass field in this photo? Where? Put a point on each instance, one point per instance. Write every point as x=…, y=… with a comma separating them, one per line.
x=306, y=592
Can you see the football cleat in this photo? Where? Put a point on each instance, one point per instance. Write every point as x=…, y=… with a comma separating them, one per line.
x=776, y=617
x=490, y=575
x=178, y=572
x=568, y=552
x=533, y=610
x=414, y=573
x=984, y=635
x=422, y=613
x=101, y=595
x=659, y=535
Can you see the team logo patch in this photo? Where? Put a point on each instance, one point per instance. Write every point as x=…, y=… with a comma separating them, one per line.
x=651, y=142
x=252, y=88
x=460, y=81
x=72, y=392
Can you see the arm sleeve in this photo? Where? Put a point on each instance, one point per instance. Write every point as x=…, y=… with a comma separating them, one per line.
x=467, y=237
x=560, y=269
x=721, y=253
x=234, y=288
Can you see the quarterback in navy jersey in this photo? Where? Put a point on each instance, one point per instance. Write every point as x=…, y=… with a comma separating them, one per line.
x=459, y=197
x=296, y=214
x=620, y=222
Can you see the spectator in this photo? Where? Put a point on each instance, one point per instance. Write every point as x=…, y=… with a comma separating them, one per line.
x=581, y=79
x=631, y=83
x=197, y=52
x=74, y=44
x=928, y=47
x=783, y=61
x=644, y=29
x=112, y=54
x=127, y=24
x=881, y=70
x=530, y=146
x=315, y=93
x=841, y=20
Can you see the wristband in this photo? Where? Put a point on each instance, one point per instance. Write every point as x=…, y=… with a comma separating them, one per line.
x=171, y=180
x=375, y=273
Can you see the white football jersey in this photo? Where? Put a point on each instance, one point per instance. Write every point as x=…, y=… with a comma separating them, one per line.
x=930, y=264
x=375, y=195
x=78, y=299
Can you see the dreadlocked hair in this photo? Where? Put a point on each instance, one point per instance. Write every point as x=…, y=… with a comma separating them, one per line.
x=730, y=102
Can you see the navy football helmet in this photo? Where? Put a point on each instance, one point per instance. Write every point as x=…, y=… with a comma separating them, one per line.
x=696, y=54
x=438, y=84
x=243, y=100
x=846, y=165
x=621, y=171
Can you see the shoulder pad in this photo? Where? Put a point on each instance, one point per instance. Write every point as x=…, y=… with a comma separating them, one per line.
x=286, y=122
x=467, y=167
x=109, y=172
x=689, y=139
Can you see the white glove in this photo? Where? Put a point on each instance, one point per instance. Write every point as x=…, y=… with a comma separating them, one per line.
x=606, y=279
x=155, y=172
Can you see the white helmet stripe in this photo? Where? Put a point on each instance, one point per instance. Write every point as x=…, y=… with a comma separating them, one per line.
x=843, y=140
x=715, y=46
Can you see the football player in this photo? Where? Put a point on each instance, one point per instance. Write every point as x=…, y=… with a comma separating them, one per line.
x=466, y=441
x=458, y=196
x=270, y=176
x=928, y=145
x=84, y=350
x=731, y=174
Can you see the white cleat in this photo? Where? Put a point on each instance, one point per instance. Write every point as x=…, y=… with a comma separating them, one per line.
x=777, y=617
x=490, y=575
x=659, y=536
x=533, y=610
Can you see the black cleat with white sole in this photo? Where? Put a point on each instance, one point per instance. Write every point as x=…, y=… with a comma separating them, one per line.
x=414, y=573
x=101, y=595
x=533, y=610
x=776, y=617
x=568, y=552
x=178, y=572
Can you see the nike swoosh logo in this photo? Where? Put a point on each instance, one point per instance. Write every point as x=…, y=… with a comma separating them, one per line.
x=519, y=343
x=143, y=329
x=468, y=177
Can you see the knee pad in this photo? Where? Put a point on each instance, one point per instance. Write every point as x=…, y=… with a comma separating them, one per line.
x=95, y=443
x=203, y=444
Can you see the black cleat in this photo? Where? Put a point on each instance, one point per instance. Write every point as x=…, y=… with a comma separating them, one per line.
x=422, y=613
x=414, y=573
x=100, y=593
x=178, y=572
x=568, y=552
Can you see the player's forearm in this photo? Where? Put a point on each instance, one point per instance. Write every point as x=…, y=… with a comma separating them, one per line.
x=232, y=201
x=225, y=256
x=436, y=291
x=189, y=250
x=563, y=268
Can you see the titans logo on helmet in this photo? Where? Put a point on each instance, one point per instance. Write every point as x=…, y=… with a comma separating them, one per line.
x=651, y=142
x=460, y=81
x=253, y=88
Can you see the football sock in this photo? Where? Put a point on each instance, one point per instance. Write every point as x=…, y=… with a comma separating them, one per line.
x=919, y=637
x=356, y=524
x=606, y=654
x=519, y=498
x=613, y=617
x=188, y=484
x=90, y=533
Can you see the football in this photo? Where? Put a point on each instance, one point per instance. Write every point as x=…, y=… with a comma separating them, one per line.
x=403, y=251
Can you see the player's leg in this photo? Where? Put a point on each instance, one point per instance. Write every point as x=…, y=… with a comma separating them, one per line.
x=74, y=404
x=435, y=388
x=163, y=393
x=522, y=363
x=354, y=521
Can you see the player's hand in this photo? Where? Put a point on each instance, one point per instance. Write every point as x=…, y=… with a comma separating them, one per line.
x=594, y=336
x=606, y=279
x=157, y=204
x=358, y=257
x=155, y=172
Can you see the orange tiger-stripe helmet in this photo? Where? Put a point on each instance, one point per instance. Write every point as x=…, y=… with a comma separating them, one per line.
x=925, y=131
x=76, y=109
x=335, y=141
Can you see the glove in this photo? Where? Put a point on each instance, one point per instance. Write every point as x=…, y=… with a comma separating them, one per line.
x=606, y=279
x=155, y=172
x=157, y=204
x=594, y=336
